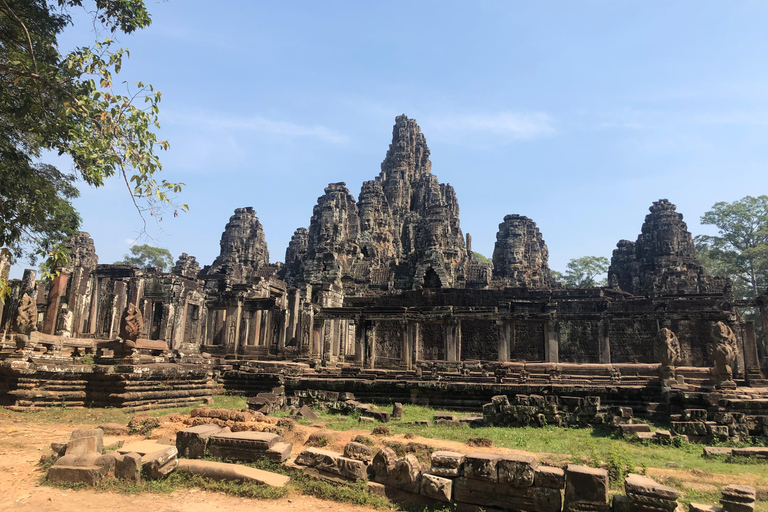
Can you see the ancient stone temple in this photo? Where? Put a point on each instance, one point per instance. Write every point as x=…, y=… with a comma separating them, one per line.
x=385, y=288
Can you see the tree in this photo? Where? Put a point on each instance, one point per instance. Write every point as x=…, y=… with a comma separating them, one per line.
x=481, y=258
x=740, y=250
x=581, y=272
x=147, y=256
x=69, y=104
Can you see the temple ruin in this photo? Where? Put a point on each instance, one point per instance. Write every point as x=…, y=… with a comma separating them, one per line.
x=381, y=295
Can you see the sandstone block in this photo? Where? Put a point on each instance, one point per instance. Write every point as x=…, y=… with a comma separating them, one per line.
x=492, y=495
x=406, y=474
x=643, y=503
x=397, y=410
x=160, y=463
x=436, y=487
x=90, y=474
x=223, y=471
x=699, y=507
x=586, y=489
x=242, y=445
x=191, y=442
x=279, y=452
x=128, y=467
x=551, y=478
x=642, y=485
x=620, y=504
x=383, y=463
x=482, y=466
x=85, y=440
x=633, y=428
x=358, y=451
x=516, y=470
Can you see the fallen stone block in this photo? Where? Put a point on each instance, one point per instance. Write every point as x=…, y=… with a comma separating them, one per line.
x=516, y=470
x=620, y=504
x=363, y=419
x=279, y=452
x=86, y=468
x=406, y=474
x=642, y=485
x=128, y=467
x=549, y=477
x=247, y=446
x=397, y=410
x=738, y=498
x=307, y=413
x=646, y=436
x=436, y=487
x=358, y=451
x=383, y=463
x=161, y=463
x=380, y=416
x=447, y=464
x=85, y=440
x=332, y=463
x=444, y=416
x=755, y=451
x=586, y=489
x=448, y=423
x=224, y=471
x=700, y=507
x=629, y=429
x=114, y=429
x=191, y=442
x=59, y=449
x=492, y=495
x=423, y=423
x=482, y=466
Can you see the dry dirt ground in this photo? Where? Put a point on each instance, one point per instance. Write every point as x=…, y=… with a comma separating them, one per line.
x=22, y=443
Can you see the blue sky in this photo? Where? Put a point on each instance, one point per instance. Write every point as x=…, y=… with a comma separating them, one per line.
x=577, y=114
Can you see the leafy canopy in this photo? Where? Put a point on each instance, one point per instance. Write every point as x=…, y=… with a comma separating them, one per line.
x=148, y=256
x=740, y=249
x=582, y=272
x=70, y=104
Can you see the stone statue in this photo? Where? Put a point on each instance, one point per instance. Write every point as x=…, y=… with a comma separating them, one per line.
x=131, y=323
x=25, y=320
x=667, y=348
x=722, y=350
x=64, y=322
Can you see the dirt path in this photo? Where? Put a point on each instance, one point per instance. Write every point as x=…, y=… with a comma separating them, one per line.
x=21, y=445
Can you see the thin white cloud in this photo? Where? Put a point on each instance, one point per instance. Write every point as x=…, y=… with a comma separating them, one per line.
x=259, y=124
x=503, y=126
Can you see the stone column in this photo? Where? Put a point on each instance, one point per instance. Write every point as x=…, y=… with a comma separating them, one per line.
x=762, y=303
x=95, y=298
x=552, y=343
x=452, y=339
x=503, y=328
x=5, y=271
x=327, y=336
x=255, y=338
x=370, y=345
x=359, y=343
x=751, y=360
x=604, y=342
x=282, y=322
x=407, y=345
x=238, y=314
x=267, y=322
x=58, y=288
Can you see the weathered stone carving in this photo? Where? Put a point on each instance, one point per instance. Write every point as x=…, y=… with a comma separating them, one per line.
x=663, y=260
x=520, y=256
x=186, y=266
x=667, y=348
x=64, y=322
x=243, y=247
x=131, y=323
x=293, y=269
x=82, y=252
x=25, y=320
x=723, y=350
